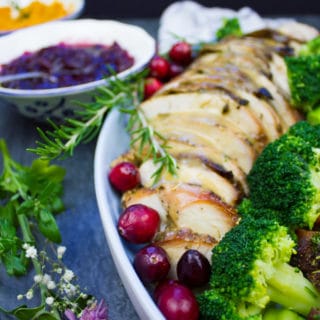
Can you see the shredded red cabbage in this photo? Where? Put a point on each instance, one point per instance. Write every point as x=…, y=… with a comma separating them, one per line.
x=68, y=64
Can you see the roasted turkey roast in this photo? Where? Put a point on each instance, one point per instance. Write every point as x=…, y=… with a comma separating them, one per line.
x=216, y=117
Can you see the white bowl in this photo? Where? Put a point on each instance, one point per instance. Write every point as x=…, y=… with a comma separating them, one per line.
x=74, y=8
x=59, y=102
x=112, y=142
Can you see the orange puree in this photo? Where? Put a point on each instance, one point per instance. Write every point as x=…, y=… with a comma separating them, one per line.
x=35, y=13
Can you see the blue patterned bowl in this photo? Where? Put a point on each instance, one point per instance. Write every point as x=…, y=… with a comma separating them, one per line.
x=59, y=103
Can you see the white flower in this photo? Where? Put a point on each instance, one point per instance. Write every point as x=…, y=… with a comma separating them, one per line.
x=68, y=275
x=60, y=251
x=83, y=295
x=25, y=246
x=49, y=301
x=46, y=278
x=58, y=270
x=31, y=252
x=69, y=289
x=37, y=278
x=19, y=297
x=29, y=294
x=51, y=285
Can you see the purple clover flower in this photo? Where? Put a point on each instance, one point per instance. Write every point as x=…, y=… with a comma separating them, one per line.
x=69, y=315
x=93, y=312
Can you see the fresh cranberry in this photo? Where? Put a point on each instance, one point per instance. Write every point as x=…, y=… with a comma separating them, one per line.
x=175, y=70
x=124, y=176
x=193, y=269
x=159, y=68
x=161, y=287
x=138, y=223
x=177, y=302
x=151, y=263
x=181, y=53
x=151, y=86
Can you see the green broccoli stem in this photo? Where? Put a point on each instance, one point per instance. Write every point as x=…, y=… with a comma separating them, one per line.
x=280, y=314
x=313, y=116
x=292, y=290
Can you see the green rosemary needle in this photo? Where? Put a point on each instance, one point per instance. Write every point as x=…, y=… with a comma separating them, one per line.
x=123, y=94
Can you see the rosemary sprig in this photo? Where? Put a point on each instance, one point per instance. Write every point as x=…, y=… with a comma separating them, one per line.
x=61, y=140
x=125, y=95
x=150, y=144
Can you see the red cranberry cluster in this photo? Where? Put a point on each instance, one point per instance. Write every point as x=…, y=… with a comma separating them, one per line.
x=138, y=224
x=163, y=69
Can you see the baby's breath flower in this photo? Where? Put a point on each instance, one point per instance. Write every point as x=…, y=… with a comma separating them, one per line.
x=31, y=252
x=68, y=275
x=51, y=285
x=46, y=278
x=58, y=270
x=19, y=297
x=37, y=278
x=49, y=301
x=29, y=294
x=69, y=289
x=25, y=246
x=60, y=251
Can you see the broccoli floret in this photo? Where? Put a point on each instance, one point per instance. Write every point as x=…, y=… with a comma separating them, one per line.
x=309, y=133
x=280, y=314
x=286, y=178
x=304, y=81
x=214, y=306
x=250, y=267
x=230, y=27
x=246, y=208
x=310, y=48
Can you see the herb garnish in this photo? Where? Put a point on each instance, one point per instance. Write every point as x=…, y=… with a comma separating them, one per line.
x=30, y=196
x=126, y=96
x=230, y=27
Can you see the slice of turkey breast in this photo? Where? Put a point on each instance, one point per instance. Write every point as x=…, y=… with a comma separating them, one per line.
x=211, y=158
x=244, y=63
x=299, y=31
x=194, y=171
x=258, y=77
x=241, y=93
x=201, y=211
x=229, y=142
x=214, y=107
x=185, y=206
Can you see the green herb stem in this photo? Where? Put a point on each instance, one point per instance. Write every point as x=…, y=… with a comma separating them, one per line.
x=153, y=141
x=95, y=120
x=28, y=238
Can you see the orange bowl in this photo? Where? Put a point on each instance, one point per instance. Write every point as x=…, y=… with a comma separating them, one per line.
x=32, y=12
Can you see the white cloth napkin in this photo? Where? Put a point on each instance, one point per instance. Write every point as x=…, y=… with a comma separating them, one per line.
x=195, y=23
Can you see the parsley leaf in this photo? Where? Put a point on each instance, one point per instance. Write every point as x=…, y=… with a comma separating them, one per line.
x=230, y=27
x=30, y=195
